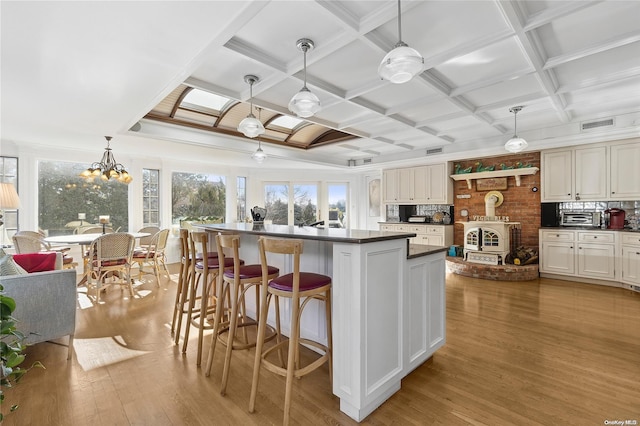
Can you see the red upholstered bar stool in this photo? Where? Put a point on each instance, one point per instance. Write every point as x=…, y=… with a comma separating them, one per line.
x=202, y=271
x=235, y=282
x=300, y=287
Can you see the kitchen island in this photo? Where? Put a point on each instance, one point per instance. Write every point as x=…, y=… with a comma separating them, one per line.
x=388, y=310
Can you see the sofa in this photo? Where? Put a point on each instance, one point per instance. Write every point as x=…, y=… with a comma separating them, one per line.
x=45, y=303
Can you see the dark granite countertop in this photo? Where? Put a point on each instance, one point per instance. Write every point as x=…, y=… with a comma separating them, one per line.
x=417, y=250
x=336, y=235
x=586, y=228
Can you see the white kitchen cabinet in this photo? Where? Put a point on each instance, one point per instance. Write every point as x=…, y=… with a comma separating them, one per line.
x=557, y=257
x=578, y=174
x=557, y=176
x=426, y=234
x=424, y=302
x=630, y=248
x=418, y=185
x=390, y=186
x=625, y=171
x=587, y=254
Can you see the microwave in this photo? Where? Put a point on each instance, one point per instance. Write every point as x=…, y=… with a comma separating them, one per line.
x=589, y=219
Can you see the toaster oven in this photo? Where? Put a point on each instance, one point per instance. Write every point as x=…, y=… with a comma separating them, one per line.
x=589, y=219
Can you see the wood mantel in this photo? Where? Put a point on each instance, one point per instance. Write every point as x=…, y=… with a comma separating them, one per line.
x=469, y=177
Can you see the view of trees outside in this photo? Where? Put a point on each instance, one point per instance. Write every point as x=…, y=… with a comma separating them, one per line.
x=241, y=193
x=63, y=194
x=151, y=197
x=305, y=203
x=338, y=205
x=197, y=197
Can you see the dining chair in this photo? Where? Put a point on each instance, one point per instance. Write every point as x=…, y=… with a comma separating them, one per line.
x=233, y=284
x=33, y=242
x=153, y=255
x=110, y=257
x=143, y=242
x=299, y=287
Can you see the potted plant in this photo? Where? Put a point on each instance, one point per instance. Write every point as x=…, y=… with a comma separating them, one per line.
x=11, y=349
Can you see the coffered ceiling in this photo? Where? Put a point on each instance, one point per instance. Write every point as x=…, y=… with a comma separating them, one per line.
x=73, y=70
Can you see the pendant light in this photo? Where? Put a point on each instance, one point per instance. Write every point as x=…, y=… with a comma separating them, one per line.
x=515, y=144
x=402, y=63
x=251, y=126
x=259, y=156
x=304, y=103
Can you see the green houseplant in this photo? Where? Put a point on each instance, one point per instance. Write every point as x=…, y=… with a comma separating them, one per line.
x=11, y=349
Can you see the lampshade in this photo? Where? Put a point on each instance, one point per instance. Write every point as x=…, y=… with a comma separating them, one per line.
x=250, y=126
x=107, y=168
x=259, y=155
x=515, y=144
x=402, y=63
x=304, y=103
x=9, y=196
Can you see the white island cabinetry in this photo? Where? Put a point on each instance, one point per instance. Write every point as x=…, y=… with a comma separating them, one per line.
x=387, y=305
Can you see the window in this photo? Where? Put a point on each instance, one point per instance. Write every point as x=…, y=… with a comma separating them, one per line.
x=63, y=196
x=241, y=193
x=303, y=198
x=8, y=174
x=151, y=197
x=197, y=197
x=338, y=205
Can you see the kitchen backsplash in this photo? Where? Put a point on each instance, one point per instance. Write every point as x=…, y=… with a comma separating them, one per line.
x=631, y=208
x=393, y=210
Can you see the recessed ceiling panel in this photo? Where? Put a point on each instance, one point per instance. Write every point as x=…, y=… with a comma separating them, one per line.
x=502, y=58
x=524, y=86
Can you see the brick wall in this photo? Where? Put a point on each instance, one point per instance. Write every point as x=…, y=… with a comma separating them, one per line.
x=520, y=203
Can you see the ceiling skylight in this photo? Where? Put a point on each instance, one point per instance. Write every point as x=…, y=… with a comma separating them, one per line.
x=286, y=122
x=206, y=99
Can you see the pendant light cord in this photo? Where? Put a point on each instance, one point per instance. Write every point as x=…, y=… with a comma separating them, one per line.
x=304, y=50
x=399, y=23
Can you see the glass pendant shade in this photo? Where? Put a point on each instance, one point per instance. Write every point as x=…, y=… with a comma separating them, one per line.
x=251, y=127
x=401, y=64
x=515, y=144
x=304, y=103
x=259, y=155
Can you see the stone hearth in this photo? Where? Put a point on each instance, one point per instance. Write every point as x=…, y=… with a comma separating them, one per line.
x=458, y=266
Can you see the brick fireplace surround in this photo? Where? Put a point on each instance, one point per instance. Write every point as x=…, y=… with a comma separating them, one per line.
x=521, y=204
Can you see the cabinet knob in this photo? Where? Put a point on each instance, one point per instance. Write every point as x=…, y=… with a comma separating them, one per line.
x=595, y=237
x=613, y=192
x=569, y=194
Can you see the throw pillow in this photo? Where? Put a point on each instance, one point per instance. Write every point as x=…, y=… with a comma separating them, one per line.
x=36, y=262
x=8, y=266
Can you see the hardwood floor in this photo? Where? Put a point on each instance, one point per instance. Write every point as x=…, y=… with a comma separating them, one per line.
x=542, y=352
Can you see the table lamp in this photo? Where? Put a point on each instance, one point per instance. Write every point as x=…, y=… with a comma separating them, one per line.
x=8, y=200
x=104, y=220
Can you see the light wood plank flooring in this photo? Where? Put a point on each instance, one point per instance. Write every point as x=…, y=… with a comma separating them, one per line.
x=543, y=352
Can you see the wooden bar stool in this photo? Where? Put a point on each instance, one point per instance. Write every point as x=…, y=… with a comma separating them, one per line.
x=181, y=303
x=184, y=278
x=202, y=271
x=235, y=282
x=297, y=286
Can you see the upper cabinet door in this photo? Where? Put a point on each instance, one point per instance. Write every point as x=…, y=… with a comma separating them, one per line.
x=390, y=185
x=591, y=174
x=557, y=176
x=405, y=185
x=625, y=171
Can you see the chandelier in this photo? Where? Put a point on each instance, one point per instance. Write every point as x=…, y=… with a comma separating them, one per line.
x=107, y=168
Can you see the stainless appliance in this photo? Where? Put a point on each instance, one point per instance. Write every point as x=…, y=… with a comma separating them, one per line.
x=588, y=219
